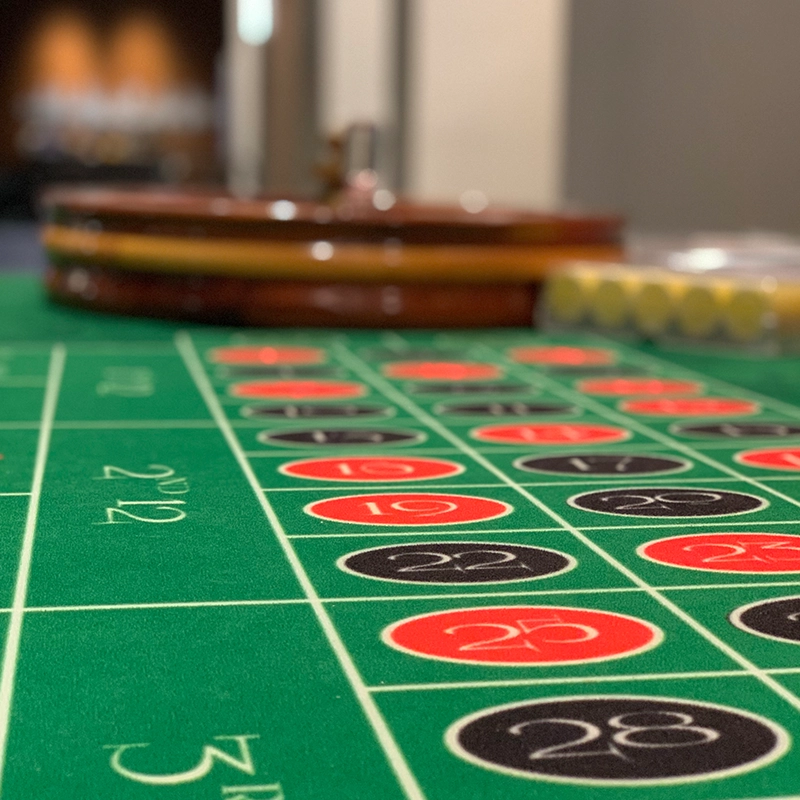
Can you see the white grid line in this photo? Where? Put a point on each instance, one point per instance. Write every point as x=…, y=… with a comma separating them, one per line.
x=483, y=595
x=113, y=424
x=398, y=397
x=444, y=595
x=14, y=633
x=579, y=679
x=560, y=681
x=404, y=534
x=156, y=606
x=299, y=452
x=373, y=714
x=450, y=532
x=733, y=524
x=421, y=484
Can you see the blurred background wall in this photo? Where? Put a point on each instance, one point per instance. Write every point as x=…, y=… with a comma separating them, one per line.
x=679, y=113
x=685, y=114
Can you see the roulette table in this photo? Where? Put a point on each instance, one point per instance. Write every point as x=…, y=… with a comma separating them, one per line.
x=257, y=564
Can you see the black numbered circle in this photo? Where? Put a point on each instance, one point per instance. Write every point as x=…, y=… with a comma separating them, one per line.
x=590, y=370
x=665, y=501
x=313, y=411
x=456, y=563
x=618, y=740
x=471, y=387
x=774, y=619
x=597, y=464
x=739, y=430
x=518, y=409
x=277, y=371
x=324, y=437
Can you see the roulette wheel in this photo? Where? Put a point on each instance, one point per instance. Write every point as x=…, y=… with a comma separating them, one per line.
x=365, y=259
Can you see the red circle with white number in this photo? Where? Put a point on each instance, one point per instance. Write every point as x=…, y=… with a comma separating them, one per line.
x=408, y=508
x=267, y=355
x=377, y=469
x=521, y=636
x=690, y=407
x=786, y=459
x=613, y=387
x=442, y=371
x=753, y=553
x=547, y=433
x=562, y=356
x=298, y=390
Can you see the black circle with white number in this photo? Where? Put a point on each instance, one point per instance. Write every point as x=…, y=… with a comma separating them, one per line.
x=774, y=619
x=313, y=411
x=518, y=409
x=276, y=371
x=738, y=430
x=332, y=437
x=663, y=501
x=589, y=370
x=471, y=387
x=601, y=464
x=456, y=563
x=618, y=740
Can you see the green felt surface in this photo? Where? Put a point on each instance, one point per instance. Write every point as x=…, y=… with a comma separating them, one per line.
x=178, y=625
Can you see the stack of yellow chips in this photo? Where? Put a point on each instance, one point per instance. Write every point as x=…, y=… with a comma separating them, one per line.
x=660, y=304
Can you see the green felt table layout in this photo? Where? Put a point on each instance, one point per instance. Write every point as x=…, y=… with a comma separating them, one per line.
x=315, y=565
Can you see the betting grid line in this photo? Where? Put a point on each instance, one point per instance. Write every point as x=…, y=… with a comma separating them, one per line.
x=113, y=424
x=396, y=759
x=361, y=534
x=401, y=598
x=362, y=485
x=538, y=379
x=579, y=679
x=298, y=452
x=390, y=392
x=55, y=373
x=676, y=524
x=156, y=606
x=744, y=441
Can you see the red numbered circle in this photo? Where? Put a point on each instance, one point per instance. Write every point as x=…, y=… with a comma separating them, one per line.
x=620, y=386
x=550, y=433
x=442, y=371
x=522, y=635
x=562, y=355
x=267, y=355
x=786, y=459
x=690, y=407
x=727, y=552
x=379, y=469
x=298, y=390
x=408, y=509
